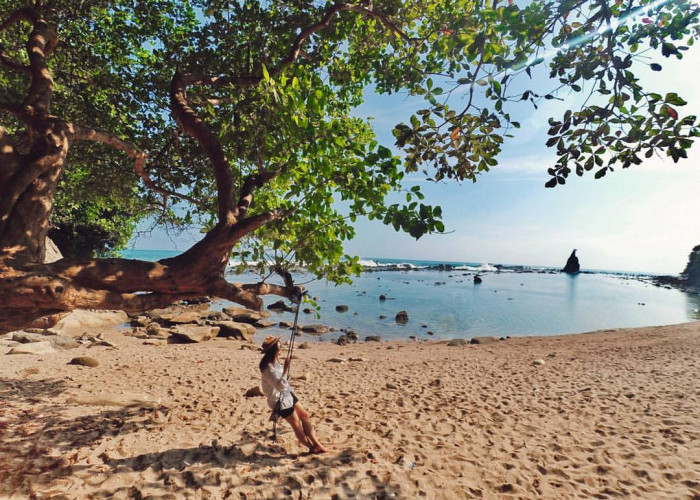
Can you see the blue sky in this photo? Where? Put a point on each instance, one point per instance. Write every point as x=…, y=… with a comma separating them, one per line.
x=641, y=219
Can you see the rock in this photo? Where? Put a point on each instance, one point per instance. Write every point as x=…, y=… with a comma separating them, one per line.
x=341, y=308
x=315, y=329
x=254, y=392
x=343, y=340
x=43, y=347
x=262, y=324
x=242, y=315
x=572, y=266
x=26, y=337
x=306, y=310
x=190, y=334
x=187, y=317
x=382, y=316
x=373, y=338
x=52, y=252
x=484, y=340
x=457, y=342
x=280, y=306
x=538, y=362
x=82, y=320
x=165, y=316
x=218, y=316
x=402, y=317
x=477, y=279
x=285, y=324
x=140, y=321
x=140, y=333
x=157, y=331
x=336, y=360
x=382, y=297
x=241, y=331
x=84, y=361
x=691, y=274
x=352, y=335
x=356, y=360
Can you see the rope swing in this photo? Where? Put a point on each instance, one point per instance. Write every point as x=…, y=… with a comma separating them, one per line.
x=297, y=298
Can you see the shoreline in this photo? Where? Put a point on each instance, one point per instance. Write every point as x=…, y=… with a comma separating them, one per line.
x=596, y=414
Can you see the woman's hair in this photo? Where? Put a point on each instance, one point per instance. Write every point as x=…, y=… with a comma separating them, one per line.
x=269, y=356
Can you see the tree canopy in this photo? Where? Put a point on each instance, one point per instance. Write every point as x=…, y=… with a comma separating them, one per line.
x=239, y=116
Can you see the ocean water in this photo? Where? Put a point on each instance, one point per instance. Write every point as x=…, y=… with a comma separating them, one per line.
x=443, y=302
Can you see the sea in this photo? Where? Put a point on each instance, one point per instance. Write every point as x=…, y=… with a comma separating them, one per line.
x=443, y=301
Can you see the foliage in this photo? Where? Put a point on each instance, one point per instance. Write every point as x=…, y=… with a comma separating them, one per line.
x=277, y=110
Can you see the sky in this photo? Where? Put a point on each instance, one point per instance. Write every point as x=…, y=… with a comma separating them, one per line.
x=642, y=219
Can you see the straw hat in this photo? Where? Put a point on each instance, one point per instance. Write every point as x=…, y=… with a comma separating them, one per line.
x=269, y=342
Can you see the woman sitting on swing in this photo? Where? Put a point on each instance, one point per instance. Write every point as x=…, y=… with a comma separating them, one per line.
x=280, y=397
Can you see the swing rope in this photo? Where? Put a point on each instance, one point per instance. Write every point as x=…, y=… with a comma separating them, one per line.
x=290, y=349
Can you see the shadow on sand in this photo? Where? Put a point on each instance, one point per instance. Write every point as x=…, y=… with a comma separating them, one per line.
x=44, y=449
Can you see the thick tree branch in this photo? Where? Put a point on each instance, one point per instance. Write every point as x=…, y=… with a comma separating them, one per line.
x=42, y=41
x=249, y=294
x=192, y=124
x=252, y=182
x=81, y=133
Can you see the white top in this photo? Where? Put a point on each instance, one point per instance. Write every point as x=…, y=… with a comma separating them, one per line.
x=275, y=383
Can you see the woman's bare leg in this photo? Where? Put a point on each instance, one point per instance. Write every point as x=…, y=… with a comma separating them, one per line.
x=303, y=416
x=299, y=431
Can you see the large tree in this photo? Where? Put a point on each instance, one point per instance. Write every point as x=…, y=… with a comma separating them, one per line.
x=238, y=115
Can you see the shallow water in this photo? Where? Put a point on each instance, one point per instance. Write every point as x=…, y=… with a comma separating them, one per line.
x=449, y=305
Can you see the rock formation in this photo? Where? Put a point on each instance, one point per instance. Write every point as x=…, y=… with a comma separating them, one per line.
x=572, y=266
x=691, y=274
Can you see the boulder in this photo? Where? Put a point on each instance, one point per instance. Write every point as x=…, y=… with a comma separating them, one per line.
x=262, y=324
x=572, y=266
x=140, y=321
x=36, y=348
x=57, y=341
x=243, y=315
x=81, y=320
x=165, y=315
x=154, y=330
x=343, y=340
x=402, y=317
x=52, y=252
x=186, y=317
x=218, y=316
x=241, y=331
x=315, y=329
x=457, y=342
x=193, y=334
x=84, y=361
x=691, y=274
x=280, y=306
x=484, y=340
x=373, y=338
x=341, y=308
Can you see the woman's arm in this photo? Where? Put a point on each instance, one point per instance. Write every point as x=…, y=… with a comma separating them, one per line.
x=287, y=363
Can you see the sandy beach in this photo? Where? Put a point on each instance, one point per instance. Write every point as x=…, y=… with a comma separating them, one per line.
x=603, y=415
